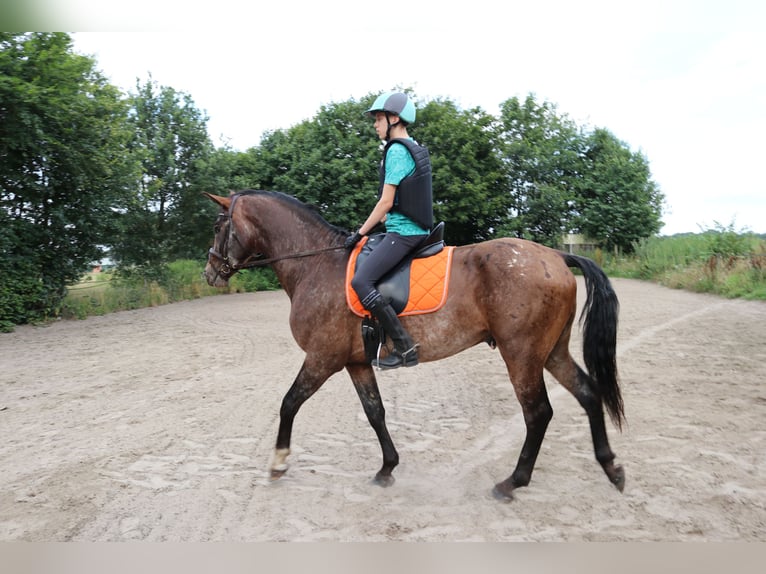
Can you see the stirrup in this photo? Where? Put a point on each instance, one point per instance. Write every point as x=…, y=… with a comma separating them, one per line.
x=395, y=359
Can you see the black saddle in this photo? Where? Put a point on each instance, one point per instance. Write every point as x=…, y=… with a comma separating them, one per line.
x=395, y=285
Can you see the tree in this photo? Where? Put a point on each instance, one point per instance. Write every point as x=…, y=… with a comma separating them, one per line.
x=562, y=178
x=469, y=194
x=617, y=201
x=64, y=170
x=230, y=170
x=171, y=143
x=329, y=161
x=540, y=150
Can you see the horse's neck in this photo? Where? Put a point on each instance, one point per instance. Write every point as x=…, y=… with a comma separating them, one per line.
x=287, y=233
x=291, y=233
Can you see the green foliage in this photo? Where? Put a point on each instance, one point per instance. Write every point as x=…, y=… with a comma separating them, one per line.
x=651, y=257
x=63, y=168
x=165, y=218
x=226, y=170
x=563, y=179
x=252, y=280
x=540, y=150
x=111, y=297
x=179, y=280
x=616, y=200
x=743, y=281
x=467, y=172
x=719, y=261
x=330, y=162
x=726, y=241
x=20, y=289
x=659, y=254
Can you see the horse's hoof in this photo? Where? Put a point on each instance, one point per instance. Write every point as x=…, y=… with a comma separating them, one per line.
x=617, y=478
x=502, y=493
x=277, y=473
x=384, y=480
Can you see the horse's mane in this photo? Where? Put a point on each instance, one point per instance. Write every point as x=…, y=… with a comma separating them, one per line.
x=313, y=212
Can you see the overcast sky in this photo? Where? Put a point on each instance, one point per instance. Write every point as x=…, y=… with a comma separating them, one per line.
x=682, y=81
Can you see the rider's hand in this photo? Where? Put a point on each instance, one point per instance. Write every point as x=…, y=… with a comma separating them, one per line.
x=352, y=240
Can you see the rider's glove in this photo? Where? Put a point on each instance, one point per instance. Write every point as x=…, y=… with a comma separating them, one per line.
x=352, y=240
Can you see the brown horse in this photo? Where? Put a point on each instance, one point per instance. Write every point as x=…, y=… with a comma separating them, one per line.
x=515, y=294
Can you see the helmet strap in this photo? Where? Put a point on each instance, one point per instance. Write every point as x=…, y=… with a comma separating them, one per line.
x=390, y=125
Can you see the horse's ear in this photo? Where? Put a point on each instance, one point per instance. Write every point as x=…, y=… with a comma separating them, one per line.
x=224, y=202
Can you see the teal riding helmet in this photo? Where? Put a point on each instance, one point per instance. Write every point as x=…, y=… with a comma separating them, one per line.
x=396, y=103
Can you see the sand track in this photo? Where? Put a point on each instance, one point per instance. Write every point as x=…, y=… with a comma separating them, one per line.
x=159, y=425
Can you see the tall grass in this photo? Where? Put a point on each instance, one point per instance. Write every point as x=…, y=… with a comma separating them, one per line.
x=103, y=293
x=720, y=260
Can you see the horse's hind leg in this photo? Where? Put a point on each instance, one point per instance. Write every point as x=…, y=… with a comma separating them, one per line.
x=537, y=410
x=576, y=381
x=304, y=386
x=367, y=388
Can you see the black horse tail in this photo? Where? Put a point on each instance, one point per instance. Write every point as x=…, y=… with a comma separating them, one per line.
x=600, y=315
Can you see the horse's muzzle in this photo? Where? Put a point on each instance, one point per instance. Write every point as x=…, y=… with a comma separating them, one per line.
x=217, y=277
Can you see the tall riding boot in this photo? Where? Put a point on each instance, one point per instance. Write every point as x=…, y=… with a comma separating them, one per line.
x=405, y=351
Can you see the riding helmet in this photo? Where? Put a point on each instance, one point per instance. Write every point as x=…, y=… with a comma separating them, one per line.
x=396, y=103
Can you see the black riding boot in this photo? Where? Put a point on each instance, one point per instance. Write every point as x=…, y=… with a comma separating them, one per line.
x=405, y=351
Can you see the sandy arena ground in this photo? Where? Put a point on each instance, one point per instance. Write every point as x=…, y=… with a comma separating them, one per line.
x=159, y=425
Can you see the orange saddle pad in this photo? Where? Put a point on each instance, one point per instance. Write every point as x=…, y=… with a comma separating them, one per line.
x=429, y=283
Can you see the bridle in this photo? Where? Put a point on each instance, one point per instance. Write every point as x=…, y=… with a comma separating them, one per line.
x=226, y=269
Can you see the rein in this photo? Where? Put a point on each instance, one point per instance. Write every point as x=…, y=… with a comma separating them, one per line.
x=226, y=269
x=259, y=262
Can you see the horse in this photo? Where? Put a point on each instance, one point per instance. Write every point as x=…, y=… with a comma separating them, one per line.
x=516, y=295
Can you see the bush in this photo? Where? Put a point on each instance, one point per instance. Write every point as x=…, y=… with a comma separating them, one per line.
x=252, y=280
x=184, y=280
x=725, y=242
x=137, y=287
x=21, y=294
x=721, y=261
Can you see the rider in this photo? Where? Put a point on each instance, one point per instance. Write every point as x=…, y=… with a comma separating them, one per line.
x=405, y=206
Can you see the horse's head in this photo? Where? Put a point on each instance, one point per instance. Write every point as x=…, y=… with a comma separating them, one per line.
x=229, y=251
x=257, y=228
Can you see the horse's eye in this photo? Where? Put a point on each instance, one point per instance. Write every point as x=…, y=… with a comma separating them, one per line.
x=217, y=228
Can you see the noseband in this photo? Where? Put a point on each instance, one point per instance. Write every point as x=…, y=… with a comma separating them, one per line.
x=226, y=269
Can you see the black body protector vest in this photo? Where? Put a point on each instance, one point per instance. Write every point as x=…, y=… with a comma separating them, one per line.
x=414, y=194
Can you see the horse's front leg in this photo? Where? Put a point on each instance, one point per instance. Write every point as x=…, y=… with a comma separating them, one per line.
x=305, y=385
x=367, y=388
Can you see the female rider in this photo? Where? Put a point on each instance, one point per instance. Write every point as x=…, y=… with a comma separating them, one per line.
x=405, y=206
